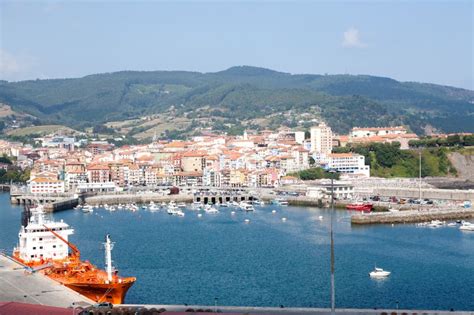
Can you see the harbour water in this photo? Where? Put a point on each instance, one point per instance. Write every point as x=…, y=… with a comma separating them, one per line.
x=270, y=262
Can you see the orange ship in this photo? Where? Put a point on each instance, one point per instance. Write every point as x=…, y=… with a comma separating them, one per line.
x=43, y=246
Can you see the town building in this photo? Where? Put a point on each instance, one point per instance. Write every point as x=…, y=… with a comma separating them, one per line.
x=321, y=139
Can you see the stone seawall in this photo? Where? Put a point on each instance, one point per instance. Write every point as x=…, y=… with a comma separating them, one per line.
x=136, y=198
x=411, y=216
x=60, y=205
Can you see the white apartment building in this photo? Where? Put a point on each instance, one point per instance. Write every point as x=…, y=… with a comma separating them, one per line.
x=321, y=139
x=357, y=132
x=348, y=163
x=42, y=185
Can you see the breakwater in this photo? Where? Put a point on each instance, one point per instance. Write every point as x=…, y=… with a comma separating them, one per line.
x=412, y=216
x=137, y=198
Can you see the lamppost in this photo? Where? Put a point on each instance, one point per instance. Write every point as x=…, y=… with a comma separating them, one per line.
x=419, y=180
x=333, y=290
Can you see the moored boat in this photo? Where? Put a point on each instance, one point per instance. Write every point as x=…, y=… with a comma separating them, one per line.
x=359, y=206
x=42, y=243
x=379, y=273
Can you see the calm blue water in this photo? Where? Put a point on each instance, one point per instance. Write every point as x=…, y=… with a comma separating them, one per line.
x=269, y=262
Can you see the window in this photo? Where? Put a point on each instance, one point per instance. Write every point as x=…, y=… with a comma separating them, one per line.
x=34, y=247
x=40, y=238
x=41, y=247
x=54, y=246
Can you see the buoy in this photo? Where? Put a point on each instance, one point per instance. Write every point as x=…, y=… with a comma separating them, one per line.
x=320, y=217
x=274, y=211
x=247, y=221
x=199, y=215
x=232, y=212
x=283, y=219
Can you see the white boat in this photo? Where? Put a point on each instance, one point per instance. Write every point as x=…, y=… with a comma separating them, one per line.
x=153, y=208
x=174, y=210
x=320, y=218
x=283, y=219
x=466, y=226
x=87, y=209
x=224, y=204
x=232, y=212
x=211, y=210
x=196, y=205
x=393, y=210
x=181, y=205
x=280, y=202
x=235, y=204
x=247, y=221
x=379, y=273
x=274, y=211
x=163, y=204
x=246, y=206
x=436, y=223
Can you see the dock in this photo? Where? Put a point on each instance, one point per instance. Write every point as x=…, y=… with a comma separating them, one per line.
x=411, y=216
x=19, y=285
x=249, y=310
x=114, y=199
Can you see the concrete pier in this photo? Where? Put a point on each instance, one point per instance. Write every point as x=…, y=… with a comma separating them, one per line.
x=222, y=196
x=137, y=198
x=18, y=285
x=412, y=216
x=249, y=310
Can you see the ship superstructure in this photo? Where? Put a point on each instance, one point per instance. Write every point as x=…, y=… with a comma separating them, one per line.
x=36, y=243
x=43, y=245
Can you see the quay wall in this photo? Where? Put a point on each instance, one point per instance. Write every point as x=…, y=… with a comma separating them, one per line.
x=137, y=198
x=60, y=205
x=429, y=193
x=251, y=310
x=412, y=216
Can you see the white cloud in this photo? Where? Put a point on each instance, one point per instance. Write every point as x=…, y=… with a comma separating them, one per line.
x=351, y=38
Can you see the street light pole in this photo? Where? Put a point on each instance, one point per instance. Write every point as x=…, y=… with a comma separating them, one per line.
x=333, y=290
x=419, y=181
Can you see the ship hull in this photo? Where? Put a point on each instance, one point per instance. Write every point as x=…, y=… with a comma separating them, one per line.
x=113, y=293
x=359, y=207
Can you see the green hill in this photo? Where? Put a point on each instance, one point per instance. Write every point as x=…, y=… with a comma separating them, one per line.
x=243, y=93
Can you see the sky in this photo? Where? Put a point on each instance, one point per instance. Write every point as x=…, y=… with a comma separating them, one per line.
x=423, y=41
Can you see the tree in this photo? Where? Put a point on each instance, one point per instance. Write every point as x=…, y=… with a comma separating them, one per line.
x=453, y=140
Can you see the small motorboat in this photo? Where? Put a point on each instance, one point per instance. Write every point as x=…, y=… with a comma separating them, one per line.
x=379, y=273
x=436, y=224
x=181, y=205
x=360, y=206
x=211, y=210
x=87, y=209
x=467, y=226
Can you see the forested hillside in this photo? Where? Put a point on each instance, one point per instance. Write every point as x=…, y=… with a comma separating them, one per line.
x=240, y=94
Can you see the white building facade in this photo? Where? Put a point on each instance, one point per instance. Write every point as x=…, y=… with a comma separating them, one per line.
x=321, y=139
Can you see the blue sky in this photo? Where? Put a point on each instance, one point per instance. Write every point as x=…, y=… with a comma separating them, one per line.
x=425, y=41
